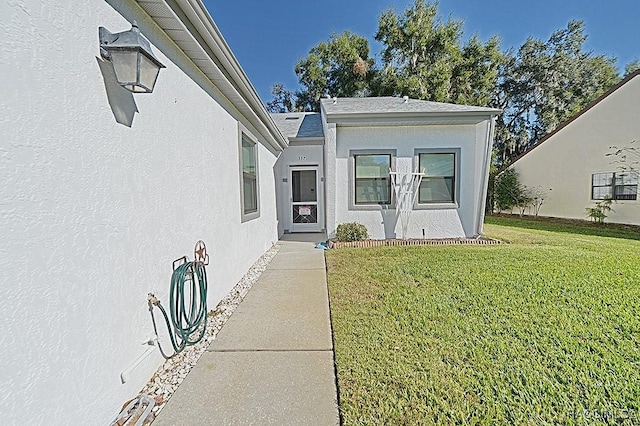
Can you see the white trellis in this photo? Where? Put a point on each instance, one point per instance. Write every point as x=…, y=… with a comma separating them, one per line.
x=406, y=185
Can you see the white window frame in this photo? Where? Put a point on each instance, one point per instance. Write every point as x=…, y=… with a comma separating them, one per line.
x=457, y=153
x=243, y=134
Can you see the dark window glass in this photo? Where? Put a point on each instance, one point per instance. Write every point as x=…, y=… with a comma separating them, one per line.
x=372, y=183
x=438, y=183
x=303, y=186
x=249, y=176
x=616, y=186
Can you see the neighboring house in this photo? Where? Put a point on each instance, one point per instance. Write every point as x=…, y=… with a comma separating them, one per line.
x=102, y=189
x=570, y=166
x=339, y=166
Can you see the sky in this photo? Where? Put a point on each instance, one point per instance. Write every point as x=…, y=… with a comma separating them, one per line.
x=269, y=37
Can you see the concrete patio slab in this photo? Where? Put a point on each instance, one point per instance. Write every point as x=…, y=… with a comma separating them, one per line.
x=256, y=388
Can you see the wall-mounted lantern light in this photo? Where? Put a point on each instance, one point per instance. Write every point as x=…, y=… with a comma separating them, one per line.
x=133, y=61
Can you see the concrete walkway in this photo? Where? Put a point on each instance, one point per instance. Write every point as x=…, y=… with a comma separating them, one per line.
x=272, y=362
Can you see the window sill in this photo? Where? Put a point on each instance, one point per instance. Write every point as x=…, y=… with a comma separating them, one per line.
x=435, y=206
x=246, y=217
x=371, y=207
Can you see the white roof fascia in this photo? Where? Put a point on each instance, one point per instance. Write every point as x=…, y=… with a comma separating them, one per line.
x=223, y=64
x=307, y=140
x=410, y=118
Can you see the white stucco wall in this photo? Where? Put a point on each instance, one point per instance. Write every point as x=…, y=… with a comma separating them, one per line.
x=446, y=222
x=565, y=162
x=93, y=213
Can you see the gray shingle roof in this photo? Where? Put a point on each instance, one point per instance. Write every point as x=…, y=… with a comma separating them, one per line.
x=299, y=124
x=389, y=104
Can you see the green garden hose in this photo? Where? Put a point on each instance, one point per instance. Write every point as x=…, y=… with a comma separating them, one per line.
x=187, y=319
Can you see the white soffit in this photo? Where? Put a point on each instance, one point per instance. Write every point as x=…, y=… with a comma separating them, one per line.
x=192, y=29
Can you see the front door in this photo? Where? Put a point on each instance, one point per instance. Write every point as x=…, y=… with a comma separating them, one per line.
x=306, y=209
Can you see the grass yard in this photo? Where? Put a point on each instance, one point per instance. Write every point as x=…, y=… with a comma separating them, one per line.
x=543, y=330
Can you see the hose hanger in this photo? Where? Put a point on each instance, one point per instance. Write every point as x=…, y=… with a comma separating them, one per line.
x=187, y=301
x=199, y=255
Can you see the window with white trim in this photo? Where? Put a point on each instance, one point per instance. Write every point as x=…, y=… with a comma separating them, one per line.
x=614, y=186
x=439, y=181
x=372, y=183
x=249, y=172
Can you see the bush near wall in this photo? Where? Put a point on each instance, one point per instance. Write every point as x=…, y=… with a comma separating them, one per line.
x=508, y=191
x=351, y=231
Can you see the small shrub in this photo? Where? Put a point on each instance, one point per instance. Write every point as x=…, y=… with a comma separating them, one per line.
x=509, y=192
x=538, y=196
x=598, y=213
x=351, y=231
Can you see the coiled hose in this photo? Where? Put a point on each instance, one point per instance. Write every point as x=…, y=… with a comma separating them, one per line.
x=185, y=320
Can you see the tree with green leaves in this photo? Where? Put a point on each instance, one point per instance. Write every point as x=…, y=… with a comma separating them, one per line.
x=339, y=67
x=545, y=83
x=537, y=86
x=283, y=100
x=508, y=192
x=424, y=58
x=632, y=67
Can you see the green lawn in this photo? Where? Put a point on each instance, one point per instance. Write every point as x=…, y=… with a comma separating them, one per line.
x=543, y=330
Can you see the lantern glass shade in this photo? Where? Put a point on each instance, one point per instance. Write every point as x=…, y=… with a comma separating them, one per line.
x=148, y=72
x=134, y=70
x=125, y=65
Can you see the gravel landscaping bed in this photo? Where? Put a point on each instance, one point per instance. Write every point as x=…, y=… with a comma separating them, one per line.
x=173, y=371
